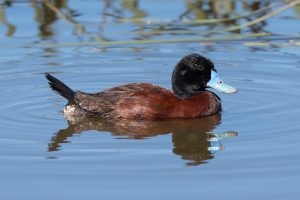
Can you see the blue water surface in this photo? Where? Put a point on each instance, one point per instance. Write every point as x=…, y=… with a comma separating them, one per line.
x=249, y=151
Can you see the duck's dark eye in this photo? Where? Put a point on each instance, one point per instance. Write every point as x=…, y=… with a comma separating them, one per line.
x=183, y=72
x=199, y=67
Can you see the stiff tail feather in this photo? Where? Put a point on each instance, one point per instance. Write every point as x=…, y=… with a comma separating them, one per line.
x=60, y=88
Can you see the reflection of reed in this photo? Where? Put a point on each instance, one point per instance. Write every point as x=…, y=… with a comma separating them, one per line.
x=49, y=12
x=260, y=19
x=192, y=139
x=10, y=28
x=44, y=17
x=201, y=10
x=132, y=6
x=197, y=17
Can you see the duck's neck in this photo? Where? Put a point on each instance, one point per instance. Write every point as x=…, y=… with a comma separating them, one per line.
x=186, y=92
x=203, y=104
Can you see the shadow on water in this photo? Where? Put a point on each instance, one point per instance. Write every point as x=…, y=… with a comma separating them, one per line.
x=193, y=139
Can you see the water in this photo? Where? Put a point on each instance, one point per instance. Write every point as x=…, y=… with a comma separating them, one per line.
x=249, y=151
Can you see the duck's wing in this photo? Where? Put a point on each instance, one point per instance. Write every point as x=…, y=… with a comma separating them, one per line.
x=104, y=102
x=94, y=104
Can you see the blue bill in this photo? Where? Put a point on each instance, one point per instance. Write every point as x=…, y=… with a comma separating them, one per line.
x=216, y=83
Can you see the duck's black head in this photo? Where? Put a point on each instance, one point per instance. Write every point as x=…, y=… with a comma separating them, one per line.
x=193, y=74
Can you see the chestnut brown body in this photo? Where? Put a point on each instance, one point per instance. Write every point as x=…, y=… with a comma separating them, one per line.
x=143, y=101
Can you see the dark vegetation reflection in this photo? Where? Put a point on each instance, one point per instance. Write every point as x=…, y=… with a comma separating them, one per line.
x=226, y=13
x=193, y=140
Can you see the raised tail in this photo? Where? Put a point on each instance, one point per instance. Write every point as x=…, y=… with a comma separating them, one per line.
x=60, y=88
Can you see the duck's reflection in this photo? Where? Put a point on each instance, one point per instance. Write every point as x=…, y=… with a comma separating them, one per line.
x=192, y=139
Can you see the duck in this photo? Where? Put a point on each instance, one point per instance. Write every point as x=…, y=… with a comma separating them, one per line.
x=189, y=97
